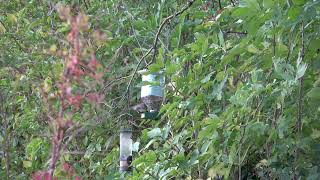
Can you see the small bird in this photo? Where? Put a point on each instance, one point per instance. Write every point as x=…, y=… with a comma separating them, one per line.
x=153, y=103
x=129, y=160
x=140, y=108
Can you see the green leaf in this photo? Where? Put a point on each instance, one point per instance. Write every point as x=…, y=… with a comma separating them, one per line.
x=236, y=50
x=155, y=67
x=268, y=3
x=2, y=29
x=12, y=19
x=207, y=78
x=252, y=49
x=283, y=69
x=253, y=5
x=217, y=89
x=252, y=26
x=240, y=12
x=171, y=68
x=98, y=147
x=314, y=93
x=27, y=164
x=145, y=159
x=298, y=2
x=194, y=157
x=294, y=12
x=166, y=131
x=221, y=38
x=154, y=133
x=135, y=146
x=301, y=70
x=204, y=46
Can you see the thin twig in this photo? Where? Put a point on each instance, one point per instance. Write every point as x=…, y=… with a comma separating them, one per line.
x=13, y=38
x=112, y=82
x=239, y=150
x=164, y=22
x=235, y=32
x=274, y=43
x=220, y=6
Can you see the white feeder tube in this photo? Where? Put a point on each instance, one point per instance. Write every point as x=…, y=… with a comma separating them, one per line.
x=152, y=90
x=125, y=149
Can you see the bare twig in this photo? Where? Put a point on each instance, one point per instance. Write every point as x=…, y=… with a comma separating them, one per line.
x=163, y=23
x=112, y=82
x=235, y=32
x=274, y=43
x=220, y=6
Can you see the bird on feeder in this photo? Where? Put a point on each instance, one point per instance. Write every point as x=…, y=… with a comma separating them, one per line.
x=153, y=103
x=151, y=94
x=140, y=108
x=149, y=103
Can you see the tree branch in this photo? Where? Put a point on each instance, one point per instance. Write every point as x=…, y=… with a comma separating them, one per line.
x=220, y=6
x=155, y=42
x=163, y=23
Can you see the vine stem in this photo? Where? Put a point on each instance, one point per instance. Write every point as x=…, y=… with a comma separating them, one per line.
x=300, y=100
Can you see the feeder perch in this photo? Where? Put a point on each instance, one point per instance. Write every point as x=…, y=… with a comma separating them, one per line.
x=152, y=93
x=125, y=149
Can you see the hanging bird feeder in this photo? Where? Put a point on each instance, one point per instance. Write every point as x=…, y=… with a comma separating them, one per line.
x=125, y=149
x=151, y=93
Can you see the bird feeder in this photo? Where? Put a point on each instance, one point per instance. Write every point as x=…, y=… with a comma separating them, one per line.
x=125, y=149
x=151, y=92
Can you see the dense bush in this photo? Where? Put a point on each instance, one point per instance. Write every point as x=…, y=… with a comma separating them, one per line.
x=242, y=93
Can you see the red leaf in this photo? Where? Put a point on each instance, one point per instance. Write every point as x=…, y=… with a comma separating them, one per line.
x=93, y=63
x=66, y=167
x=41, y=175
x=74, y=100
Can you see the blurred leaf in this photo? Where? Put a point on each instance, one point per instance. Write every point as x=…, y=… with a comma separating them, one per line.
x=154, y=133
x=314, y=93
x=27, y=164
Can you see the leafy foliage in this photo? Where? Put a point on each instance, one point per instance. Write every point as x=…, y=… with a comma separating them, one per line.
x=241, y=97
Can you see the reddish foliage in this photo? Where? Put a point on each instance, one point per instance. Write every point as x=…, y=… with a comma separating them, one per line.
x=93, y=63
x=42, y=175
x=68, y=169
x=76, y=67
x=74, y=100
